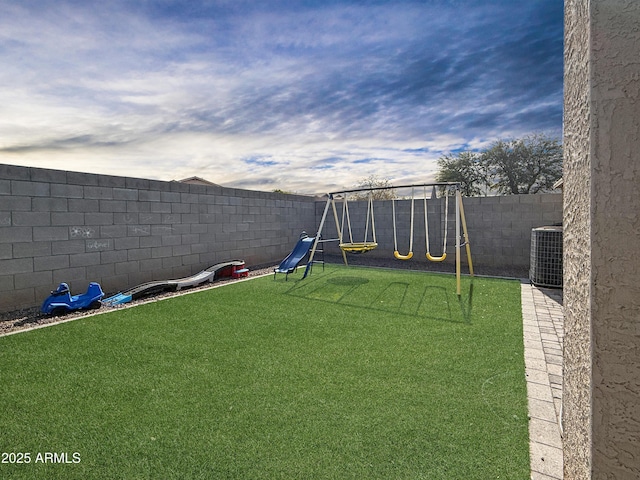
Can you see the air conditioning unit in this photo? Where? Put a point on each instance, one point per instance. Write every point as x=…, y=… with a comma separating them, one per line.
x=546, y=257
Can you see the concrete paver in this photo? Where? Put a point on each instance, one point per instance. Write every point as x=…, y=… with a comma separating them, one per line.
x=543, y=332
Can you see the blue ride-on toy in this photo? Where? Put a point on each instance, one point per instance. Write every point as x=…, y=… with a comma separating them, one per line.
x=61, y=301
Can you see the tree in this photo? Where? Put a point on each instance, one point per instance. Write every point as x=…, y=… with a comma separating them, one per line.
x=531, y=164
x=374, y=182
x=528, y=165
x=465, y=168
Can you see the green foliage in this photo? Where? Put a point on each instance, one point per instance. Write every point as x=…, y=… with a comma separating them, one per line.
x=351, y=373
x=374, y=182
x=528, y=165
x=465, y=168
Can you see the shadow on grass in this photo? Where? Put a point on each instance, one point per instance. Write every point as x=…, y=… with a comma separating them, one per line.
x=467, y=303
x=348, y=281
x=414, y=299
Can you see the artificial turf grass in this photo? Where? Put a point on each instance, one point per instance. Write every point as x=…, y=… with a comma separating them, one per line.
x=351, y=373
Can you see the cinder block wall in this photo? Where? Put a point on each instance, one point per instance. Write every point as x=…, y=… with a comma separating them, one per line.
x=499, y=227
x=58, y=226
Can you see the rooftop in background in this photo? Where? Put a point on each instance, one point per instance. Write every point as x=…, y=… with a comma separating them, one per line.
x=198, y=181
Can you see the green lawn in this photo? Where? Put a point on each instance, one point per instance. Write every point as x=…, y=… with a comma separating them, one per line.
x=352, y=373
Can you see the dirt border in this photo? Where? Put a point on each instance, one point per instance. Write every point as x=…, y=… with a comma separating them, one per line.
x=31, y=318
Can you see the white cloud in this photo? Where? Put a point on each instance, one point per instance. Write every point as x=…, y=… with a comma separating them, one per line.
x=328, y=97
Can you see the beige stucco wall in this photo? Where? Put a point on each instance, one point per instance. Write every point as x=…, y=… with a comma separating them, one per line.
x=602, y=239
x=576, y=242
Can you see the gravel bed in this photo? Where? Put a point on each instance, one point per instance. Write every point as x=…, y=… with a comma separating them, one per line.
x=29, y=318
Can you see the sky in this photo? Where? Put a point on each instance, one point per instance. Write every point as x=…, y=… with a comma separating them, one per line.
x=303, y=96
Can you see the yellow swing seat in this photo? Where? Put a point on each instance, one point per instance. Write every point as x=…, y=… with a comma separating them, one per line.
x=358, y=247
x=426, y=230
x=396, y=253
x=436, y=259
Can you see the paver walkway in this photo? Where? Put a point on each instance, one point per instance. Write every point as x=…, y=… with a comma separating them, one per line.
x=543, y=340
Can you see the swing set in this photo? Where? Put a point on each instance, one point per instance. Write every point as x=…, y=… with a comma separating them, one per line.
x=348, y=245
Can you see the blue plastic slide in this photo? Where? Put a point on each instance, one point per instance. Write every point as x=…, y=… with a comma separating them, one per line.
x=290, y=263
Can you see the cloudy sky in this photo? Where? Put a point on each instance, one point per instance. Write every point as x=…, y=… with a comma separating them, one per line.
x=305, y=96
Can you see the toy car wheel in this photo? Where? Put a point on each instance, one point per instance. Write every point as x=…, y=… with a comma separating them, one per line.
x=59, y=311
x=95, y=304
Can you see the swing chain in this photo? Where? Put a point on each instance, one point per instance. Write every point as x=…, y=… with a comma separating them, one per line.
x=397, y=254
x=446, y=227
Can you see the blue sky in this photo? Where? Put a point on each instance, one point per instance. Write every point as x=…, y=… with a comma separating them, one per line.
x=304, y=96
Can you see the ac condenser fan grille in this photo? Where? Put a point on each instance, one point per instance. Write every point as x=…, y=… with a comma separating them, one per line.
x=546, y=257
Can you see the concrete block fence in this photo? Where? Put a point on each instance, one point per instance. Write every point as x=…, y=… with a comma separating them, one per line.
x=500, y=227
x=58, y=226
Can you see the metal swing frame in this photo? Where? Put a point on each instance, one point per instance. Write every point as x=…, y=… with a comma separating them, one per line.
x=460, y=223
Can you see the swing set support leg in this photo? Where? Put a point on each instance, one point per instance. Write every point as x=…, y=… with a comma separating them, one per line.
x=339, y=230
x=330, y=202
x=315, y=241
x=460, y=218
x=466, y=236
x=458, y=289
